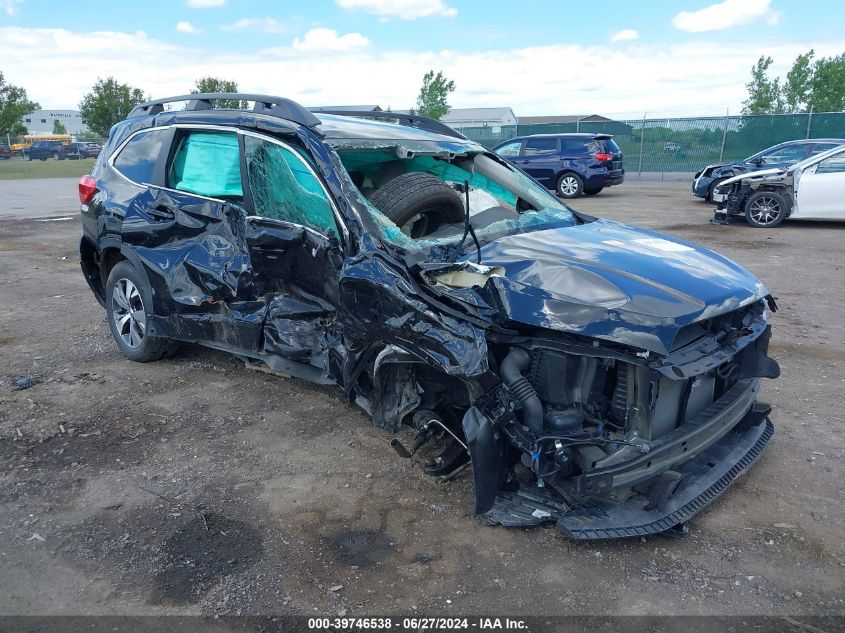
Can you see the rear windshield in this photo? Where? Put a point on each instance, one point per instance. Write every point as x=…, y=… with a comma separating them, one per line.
x=607, y=145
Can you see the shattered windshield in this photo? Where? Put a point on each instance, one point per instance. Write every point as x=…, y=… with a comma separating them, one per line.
x=417, y=194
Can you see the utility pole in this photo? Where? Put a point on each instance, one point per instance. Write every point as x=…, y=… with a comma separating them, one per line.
x=809, y=121
x=724, y=133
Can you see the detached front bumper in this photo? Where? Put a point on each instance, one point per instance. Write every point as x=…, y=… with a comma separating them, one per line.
x=700, y=480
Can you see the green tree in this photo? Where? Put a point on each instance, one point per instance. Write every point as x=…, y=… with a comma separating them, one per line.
x=59, y=127
x=215, y=84
x=13, y=105
x=827, y=85
x=764, y=94
x=109, y=102
x=434, y=95
x=798, y=84
x=18, y=129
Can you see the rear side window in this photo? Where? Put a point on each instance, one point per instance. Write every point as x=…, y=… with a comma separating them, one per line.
x=138, y=158
x=283, y=188
x=208, y=164
x=818, y=148
x=539, y=146
x=574, y=145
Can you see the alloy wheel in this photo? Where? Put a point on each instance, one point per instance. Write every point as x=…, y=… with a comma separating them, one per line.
x=764, y=210
x=128, y=313
x=568, y=186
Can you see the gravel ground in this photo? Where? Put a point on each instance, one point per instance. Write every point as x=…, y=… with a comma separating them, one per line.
x=194, y=485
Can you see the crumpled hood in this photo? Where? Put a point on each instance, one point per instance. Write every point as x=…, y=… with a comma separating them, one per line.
x=763, y=174
x=608, y=280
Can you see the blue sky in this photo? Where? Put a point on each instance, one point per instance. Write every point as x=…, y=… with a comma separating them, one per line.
x=538, y=57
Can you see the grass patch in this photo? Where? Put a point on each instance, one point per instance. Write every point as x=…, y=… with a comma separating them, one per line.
x=16, y=167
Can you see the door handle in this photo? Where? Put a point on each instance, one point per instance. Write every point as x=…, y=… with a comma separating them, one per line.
x=162, y=212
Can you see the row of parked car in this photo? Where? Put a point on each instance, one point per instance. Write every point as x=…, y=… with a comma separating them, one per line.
x=762, y=188
x=57, y=150
x=802, y=179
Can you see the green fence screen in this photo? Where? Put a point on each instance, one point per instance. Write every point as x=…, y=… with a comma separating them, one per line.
x=684, y=144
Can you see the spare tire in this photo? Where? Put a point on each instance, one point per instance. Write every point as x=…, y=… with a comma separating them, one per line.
x=419, y=203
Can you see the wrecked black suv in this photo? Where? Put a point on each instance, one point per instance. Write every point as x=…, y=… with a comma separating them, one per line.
x=594, y=375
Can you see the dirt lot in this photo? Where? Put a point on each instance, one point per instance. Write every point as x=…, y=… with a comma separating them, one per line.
x=194, y=485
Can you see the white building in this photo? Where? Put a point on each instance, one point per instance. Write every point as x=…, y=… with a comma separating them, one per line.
x=494, y=118
x=41, y=121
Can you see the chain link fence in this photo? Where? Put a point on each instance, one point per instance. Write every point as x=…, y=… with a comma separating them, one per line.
x=686, y=144
x=678, y=145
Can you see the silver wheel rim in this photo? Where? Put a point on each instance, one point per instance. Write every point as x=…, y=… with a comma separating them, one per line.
x=128, y=315
x=764, y=210
x=568, y=186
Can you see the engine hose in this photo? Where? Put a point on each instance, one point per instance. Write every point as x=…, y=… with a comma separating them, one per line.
x=516, y=362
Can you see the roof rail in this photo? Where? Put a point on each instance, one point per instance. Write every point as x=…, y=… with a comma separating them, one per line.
x=411, y=120
x=265, y=104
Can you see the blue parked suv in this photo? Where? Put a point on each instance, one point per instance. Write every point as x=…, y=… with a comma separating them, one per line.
x=570, y=164
x=782, y=155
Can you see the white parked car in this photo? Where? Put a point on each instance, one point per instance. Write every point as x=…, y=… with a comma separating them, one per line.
x=813, y=189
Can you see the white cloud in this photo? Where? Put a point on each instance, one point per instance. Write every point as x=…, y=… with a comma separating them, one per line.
x=186, y=27
x=57, y=67
x=268, y=25
x=723, y=15
x=205, y=4
x=404, y=9
x=773, y=18
x=9, y=6
x=625, y=35
x=329, y=40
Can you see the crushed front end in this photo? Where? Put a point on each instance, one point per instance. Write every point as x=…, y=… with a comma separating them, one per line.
x=607, y=442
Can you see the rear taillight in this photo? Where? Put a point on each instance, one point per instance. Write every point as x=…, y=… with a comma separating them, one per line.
x=603, y=157
x=87, y=189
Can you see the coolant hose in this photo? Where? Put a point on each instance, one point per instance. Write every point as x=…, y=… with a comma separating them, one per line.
x=516, y=362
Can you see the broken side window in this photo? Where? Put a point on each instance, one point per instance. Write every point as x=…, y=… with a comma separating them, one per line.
x=284, y=188
x=207, y=163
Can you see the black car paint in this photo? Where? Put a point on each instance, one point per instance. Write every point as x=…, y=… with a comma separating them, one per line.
x=358, y=306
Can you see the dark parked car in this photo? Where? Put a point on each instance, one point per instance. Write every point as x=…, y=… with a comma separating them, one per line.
x=5, y=152
x=42, y=150
x=779, y=156
x=570, y=164
x=597, y=376
x=86, y=149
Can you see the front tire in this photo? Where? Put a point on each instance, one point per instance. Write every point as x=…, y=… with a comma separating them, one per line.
x=765, y=209
x=127, y=299
x=27, y=157
x=712, y=188
x=570, y=185
x=56, y=156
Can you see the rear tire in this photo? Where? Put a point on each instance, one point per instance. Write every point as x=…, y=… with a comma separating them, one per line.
x=127, y=308
x=765, y=209
x=570, y=185
x=56, y=156
x=419, y=203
